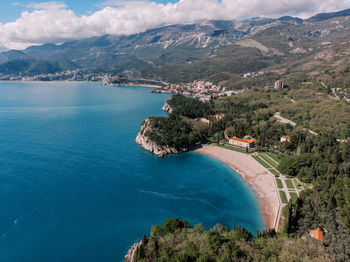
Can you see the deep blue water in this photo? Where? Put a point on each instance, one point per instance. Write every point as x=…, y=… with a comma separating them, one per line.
x=74, y=185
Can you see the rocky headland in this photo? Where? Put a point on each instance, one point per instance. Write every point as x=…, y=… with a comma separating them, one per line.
x=151, y=146
x=167, y=107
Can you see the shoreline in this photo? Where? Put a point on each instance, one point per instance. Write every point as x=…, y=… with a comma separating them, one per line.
x=259, y=180
x=83, y=81
x=137, y=85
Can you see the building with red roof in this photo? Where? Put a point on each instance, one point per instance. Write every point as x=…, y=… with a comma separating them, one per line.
x=239, y=142
x=316, y=234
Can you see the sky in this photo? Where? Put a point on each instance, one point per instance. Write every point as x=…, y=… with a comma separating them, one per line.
x=25, y=23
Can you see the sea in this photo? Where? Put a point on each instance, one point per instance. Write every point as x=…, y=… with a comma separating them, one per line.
x=74, y=185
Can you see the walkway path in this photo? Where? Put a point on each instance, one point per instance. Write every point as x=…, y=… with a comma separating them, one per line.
x=283, y=119
x=290, y=122
x=287, y=187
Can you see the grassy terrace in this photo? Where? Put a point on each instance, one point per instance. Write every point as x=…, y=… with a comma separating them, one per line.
x=257, y=158
x=267, y=163
x=268, y=160
x=240, y=150
x=290, y=184
x=283, y=197
x=279, y=183
x=265, y=160
x=273, y=171
x=293, y=196
x=273, y=156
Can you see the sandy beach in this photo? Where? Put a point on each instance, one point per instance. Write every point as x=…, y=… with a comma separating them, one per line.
x=259, y=179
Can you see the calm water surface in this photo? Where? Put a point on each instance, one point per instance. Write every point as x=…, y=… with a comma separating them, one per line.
x=74, y=185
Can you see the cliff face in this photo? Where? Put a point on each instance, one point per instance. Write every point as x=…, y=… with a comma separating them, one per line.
x=129, y=257
x=167, y=107
x=151, y=146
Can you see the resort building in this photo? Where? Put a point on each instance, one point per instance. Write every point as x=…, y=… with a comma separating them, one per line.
x=285, y=138
x=239, y=142
x=316, y=234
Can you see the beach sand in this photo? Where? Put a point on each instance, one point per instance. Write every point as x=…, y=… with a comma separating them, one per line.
x=259, y=179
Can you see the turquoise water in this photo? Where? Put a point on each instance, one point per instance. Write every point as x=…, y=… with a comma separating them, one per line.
x=74, y=186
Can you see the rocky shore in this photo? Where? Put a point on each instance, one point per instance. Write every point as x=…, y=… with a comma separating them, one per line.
x=129, y=257
x=152, y=146
x=167, y=107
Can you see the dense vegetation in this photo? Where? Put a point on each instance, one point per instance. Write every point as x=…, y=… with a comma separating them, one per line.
x=188, y=107
x=245, y=59
x=175, y=240
x=326, y=164
x=314, y=109
x=173, y=131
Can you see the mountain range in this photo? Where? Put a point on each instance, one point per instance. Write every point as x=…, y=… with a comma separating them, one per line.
x=195, y=50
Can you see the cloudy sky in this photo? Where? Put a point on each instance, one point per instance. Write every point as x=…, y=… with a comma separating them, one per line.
x=25, y=23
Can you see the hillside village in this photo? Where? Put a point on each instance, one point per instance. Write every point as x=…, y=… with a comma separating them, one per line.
x=200, y=89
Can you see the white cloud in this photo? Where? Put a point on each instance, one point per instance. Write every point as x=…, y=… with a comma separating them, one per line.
x=54, y=22
x=42, y=5
x=46, y=5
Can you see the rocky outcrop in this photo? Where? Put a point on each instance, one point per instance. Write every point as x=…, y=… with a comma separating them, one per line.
x=167, y=107
x=152, y=146
x=129, y=257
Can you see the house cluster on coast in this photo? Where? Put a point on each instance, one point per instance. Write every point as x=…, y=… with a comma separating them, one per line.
x=200, y=89
x=70, y=75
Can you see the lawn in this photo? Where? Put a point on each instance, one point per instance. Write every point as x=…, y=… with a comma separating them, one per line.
x=293, y=196
x=273, y=156
x=240, y=150
x=261, y=161
x=268, y=160
x=273, y=171
x=290, y=184
x=283, y=197
x=279, y=183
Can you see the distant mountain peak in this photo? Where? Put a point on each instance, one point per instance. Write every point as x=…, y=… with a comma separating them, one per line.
x=326, y=16
x=180, y=43
x=290, y=18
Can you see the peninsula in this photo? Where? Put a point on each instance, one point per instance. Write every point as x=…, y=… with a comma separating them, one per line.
x=172, y=135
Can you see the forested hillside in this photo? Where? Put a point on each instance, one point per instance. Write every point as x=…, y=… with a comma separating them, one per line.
x=175, y=240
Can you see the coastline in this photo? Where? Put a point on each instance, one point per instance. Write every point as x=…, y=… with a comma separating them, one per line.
x=83, y=81
x=137, y=85
x=256, y=176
